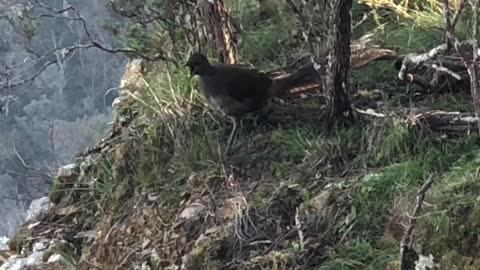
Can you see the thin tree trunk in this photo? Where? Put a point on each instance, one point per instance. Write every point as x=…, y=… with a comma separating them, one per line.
x=338, y=78
x=473, y=68
x=219, y=27
x=470, y=64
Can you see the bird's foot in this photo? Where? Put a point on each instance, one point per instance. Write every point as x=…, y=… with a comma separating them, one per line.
x=265, y=120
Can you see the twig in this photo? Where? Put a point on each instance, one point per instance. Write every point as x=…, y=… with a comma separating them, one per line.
x=16, y=198
x=365, y=17
x=298, y=226
x=407, y=240
x=96, y=44
x=31, y=78
x=67, y=51
x=370, y=112
x=457, y=14
x=305, y=27
x=446, y=71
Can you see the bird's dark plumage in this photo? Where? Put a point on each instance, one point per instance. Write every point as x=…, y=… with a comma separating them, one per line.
x=236, y=90
x=232, y=89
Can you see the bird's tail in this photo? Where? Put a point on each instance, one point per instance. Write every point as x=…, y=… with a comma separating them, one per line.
x=302, y=80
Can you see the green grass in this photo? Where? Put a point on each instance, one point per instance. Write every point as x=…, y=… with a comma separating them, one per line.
x=409, y=157
x=358, y=255
x=294, y=143
x=179, y=139
x=455, y=102
x=176, y=148
x=454, y=220
x=267, y=42
x=377, y=191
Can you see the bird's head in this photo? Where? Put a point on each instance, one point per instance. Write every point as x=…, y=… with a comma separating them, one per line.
x=198, y=64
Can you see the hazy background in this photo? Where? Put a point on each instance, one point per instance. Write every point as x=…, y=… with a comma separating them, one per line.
x=61, y=112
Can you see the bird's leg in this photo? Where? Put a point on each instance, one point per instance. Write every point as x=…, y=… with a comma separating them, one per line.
x=232, y=134
x=263, y=116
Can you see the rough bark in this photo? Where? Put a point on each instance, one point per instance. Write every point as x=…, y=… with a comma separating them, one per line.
x=219, y=29
x=338, y=79
x=473, y=68
x=470, y=63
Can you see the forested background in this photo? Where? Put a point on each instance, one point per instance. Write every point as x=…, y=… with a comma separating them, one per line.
x=56, y=103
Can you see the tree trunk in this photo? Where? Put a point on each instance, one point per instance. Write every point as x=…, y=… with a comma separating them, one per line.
x=220, y=30
x=338, y=76
x=473, y=69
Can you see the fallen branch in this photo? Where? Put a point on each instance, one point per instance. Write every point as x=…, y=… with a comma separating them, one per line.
x=370, y=112
x=409, y=65
x=419, y=59
x=407, y=240
x=446, y=121
x=434, y=119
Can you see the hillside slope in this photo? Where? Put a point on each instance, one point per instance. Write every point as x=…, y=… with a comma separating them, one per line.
x=159, y=193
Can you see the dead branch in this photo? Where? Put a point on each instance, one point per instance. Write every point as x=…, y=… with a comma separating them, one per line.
x=428, y=60
x=302, y=18
x=419, y=59
x=298, y=225
x=65, y=52
x=444, y=121
x=16, y=198
x=407, y=241
x=444, y=69
x=435, y=120
x=370, y=113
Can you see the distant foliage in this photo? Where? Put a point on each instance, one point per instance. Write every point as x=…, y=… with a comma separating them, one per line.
x=62, y=111
x=72, y=137
x=11, y=210
x=424, y=14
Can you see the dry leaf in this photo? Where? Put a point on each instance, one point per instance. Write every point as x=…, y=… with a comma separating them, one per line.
x=145, y=243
